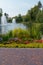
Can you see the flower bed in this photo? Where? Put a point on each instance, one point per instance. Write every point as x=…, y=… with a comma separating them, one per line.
x=38, y=41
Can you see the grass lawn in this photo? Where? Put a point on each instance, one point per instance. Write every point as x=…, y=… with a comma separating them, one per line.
x=21, y=45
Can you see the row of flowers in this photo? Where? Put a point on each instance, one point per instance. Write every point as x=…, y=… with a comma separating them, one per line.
x=36, y=41
x=39, y=41
x=18, y=40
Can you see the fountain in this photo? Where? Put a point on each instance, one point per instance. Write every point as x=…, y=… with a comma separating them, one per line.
x=5, y=27
x=13, y=21
x=3, y=20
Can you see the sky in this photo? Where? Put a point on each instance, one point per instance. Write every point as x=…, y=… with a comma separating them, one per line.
x=15, y=7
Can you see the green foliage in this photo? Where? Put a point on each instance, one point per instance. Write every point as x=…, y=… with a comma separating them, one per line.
x=19, y=18
x=32, y=15
x=10, y=20
x=15, y=45
x=41, y=28
x=37, y=31
x=34, y=31
x=6, y=15
x=39, y=4
x=26, y=18
x=1, y=12
x=10, y=34
x=33, y=12
x=39, y=17
x=0, y=15
x=20, y=33
x=5, y=37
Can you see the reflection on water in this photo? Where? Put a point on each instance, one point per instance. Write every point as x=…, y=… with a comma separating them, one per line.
x=3, y=29
x=10, y=26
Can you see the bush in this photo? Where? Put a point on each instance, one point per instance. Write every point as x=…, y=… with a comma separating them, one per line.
x=5, y=37
x=20, y=33
x=10, y=34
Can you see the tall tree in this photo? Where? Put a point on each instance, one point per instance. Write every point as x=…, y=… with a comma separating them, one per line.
x=6, y=15
x=0, y=14
x=19, y=18
x=33, y=12
x=39, y=17
x=39, y=4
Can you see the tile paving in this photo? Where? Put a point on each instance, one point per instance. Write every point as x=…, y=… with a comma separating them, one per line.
x=23, y=56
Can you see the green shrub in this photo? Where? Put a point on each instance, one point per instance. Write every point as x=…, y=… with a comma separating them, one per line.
x=21, y=33
x=5, y=37
x=10, y=34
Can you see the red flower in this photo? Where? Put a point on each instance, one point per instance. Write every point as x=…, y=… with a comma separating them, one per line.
x=39, y=41
x=27, y=42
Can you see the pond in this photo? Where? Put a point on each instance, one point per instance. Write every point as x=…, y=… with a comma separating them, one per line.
x=10, y=26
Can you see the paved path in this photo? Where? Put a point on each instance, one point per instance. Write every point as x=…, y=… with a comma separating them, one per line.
x=21, y=56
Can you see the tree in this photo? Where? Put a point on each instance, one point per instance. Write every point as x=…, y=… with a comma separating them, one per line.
x=39, y=17
x=9, y=20
x=0, y=14
x=41, y=28
x=26, y=18
x=19, y=18
x=6, y=15
x=33, y=12
x=39, y=4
